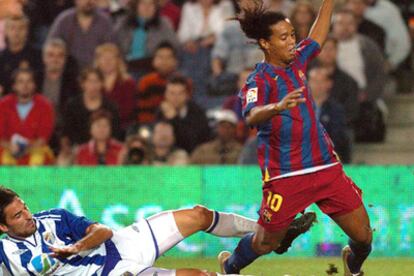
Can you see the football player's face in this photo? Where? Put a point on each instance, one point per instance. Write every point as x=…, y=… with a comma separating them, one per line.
x=19, y=220
x=281, y=45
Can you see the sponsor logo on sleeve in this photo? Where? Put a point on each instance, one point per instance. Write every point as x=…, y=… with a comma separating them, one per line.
x=251, y=96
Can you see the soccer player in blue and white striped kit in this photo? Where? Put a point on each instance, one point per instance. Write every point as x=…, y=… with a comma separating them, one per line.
x=57, y=242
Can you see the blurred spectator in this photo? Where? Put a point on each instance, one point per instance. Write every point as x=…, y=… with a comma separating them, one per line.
x=19, y=53
x=164, y=150
x=58, y=77
x=101, y=149
x=365, y=26
x=170, y=10
x=26, y=123
x=330, y=113
x=227, y=7
x=224, y=149
x=119, y=87
x=344, y=88
x=151, y=87
x=359, y=56
x=201, y=23
x=42, y=13
x=248, y=155
x=143, y=29
x=136, y=151
x=397, y=40
x=226, y=63
x=189, y=120
x=83, y=28
x=79, y=109
x=234, y=103
x=302, y=17
x=283, y=6
x=11, y=8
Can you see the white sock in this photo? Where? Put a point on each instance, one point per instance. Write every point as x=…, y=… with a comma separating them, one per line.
x=230, y=225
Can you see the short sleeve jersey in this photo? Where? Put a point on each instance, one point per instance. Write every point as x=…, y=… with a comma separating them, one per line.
x=293, y=140
x=56, y=227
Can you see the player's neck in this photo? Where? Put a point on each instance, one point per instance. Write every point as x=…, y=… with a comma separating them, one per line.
x=275, y=61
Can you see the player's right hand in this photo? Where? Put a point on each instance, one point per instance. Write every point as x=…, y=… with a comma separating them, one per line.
x=64, y=252
x=291, y=100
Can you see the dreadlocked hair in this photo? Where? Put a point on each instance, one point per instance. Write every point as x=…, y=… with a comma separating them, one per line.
x=255, y=20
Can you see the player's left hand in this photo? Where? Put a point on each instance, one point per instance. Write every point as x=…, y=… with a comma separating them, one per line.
x=64, y=252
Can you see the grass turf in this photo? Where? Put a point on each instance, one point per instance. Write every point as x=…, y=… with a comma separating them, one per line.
x=299, y=266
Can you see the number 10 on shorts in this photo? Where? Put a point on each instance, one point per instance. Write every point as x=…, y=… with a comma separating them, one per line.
x=274, y=201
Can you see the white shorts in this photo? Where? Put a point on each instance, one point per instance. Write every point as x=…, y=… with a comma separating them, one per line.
x=141, y=243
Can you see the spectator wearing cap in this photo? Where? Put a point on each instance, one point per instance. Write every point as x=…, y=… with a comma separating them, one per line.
x=101, y=149
x=224, y=149
x=189, y=120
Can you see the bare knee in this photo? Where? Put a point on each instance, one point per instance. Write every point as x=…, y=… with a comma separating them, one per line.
x=202, y=216
x=365, y=236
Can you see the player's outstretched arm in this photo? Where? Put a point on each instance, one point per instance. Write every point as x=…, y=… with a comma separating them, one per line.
x=261, y=114
x=96, y=234
x=320, y=28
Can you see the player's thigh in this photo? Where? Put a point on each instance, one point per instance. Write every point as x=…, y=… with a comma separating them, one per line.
x=283, y=199
x=165, y=231
x=338, y=195
x=356, y=225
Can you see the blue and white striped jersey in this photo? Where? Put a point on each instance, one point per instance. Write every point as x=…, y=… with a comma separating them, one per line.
x=57, y=228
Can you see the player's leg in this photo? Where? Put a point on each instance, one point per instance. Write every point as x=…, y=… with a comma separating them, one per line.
x=344, y=205
x=171, y=227
x=177, y=272
x=357, y=226
x=216, y=223
x=280, y=204
x=250, y=247
x=173, y=272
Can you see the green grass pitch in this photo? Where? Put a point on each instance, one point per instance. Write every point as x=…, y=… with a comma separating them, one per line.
x=299, y=266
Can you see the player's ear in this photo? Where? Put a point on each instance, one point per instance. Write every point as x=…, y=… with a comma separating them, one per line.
x=3, y=228
x=264, y=44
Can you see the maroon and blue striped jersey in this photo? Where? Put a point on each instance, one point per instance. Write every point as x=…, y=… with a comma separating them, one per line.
x=294, y=140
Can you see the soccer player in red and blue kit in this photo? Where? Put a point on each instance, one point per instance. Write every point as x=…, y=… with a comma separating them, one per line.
x=295, y=153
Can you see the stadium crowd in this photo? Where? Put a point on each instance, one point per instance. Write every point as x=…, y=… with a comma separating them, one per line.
x=155, y=82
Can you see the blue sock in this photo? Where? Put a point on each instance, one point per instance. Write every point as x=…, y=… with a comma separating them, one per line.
x=242, y=256
x=359, y=253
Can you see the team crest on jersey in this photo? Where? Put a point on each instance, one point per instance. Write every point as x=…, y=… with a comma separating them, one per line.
x=251, y=96
x=49, y=238
x=267, y=216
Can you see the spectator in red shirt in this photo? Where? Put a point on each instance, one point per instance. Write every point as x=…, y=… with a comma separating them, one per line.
x=119, y=87
x=26, y=123
x=101, y=149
